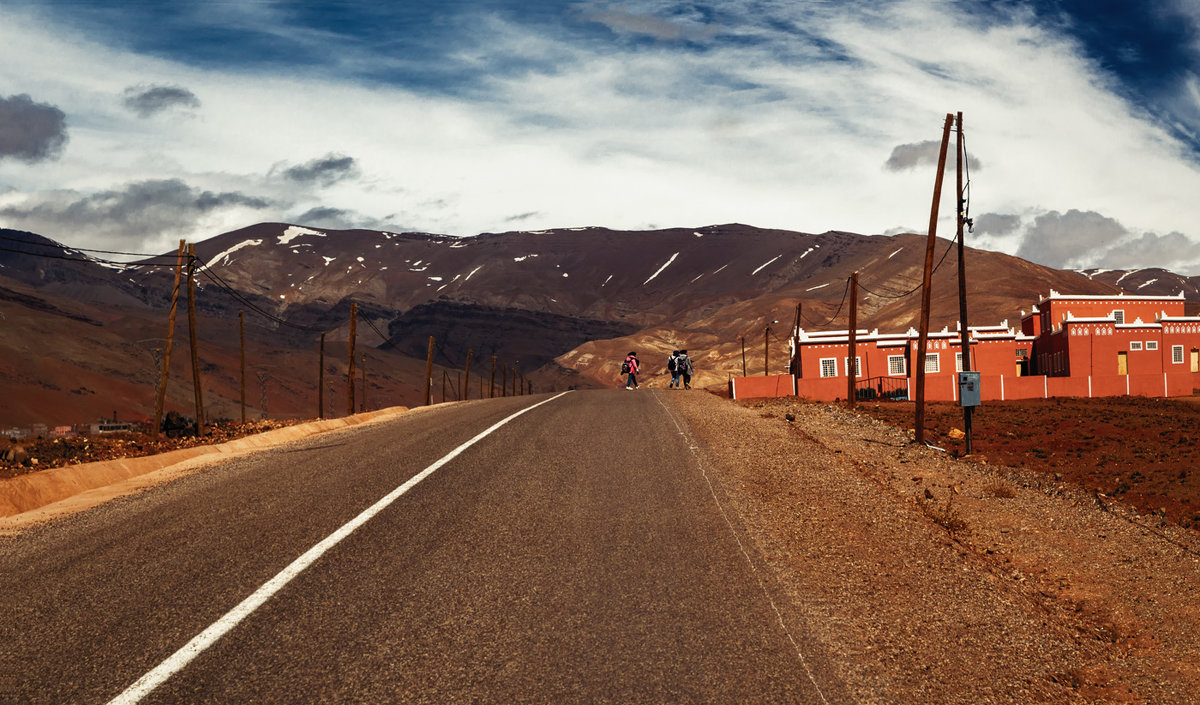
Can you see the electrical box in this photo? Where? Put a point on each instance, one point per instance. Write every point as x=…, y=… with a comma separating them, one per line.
x=968, y=389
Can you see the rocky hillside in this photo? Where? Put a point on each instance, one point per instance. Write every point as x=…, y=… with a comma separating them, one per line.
x=562, y=306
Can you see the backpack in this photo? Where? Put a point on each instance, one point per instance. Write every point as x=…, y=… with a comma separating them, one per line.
x=625, y=367
x=672, y=363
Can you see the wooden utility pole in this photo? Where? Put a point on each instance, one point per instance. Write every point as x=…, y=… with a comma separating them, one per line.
x=766, y=351
x=851, y=370
x=795, y=342
x=923, y=336
x=199, y=392
x=242, y=340
x=429, y=374
x=467, y=377
x=962, y=283
x=350, y=364
x=161, y=397
x=504, y=380
x=492, y=388
x=743, y=339
x=362, y=402
x=321, y=380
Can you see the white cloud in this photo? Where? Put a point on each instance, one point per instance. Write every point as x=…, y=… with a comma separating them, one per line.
x=767, y=130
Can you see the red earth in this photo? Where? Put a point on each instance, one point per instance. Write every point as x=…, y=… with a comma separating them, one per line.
x=1142, y=451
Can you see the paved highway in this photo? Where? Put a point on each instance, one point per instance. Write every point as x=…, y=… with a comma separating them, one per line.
x=575, y=552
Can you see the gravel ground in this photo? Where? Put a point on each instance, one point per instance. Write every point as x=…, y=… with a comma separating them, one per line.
x=928, y=579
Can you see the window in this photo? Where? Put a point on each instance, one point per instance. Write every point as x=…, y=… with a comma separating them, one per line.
x=829, y=367
x=1152, y=345
x=1119, y=315
x=1135, y=345
x=857, y=365
x=1177, y=354
x=896, y=364
x=932, y=364
x=958, y=362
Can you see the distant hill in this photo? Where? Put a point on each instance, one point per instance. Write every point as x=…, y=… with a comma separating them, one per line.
x=561, y=305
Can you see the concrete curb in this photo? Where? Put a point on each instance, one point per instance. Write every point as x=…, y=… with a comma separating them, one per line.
x=38, y=489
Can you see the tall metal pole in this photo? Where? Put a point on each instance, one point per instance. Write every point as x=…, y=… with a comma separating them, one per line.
x=850, y=367
x=196, y=386
x=923, y=336
x=161, y=397
x=350, y=363
x=962, y=282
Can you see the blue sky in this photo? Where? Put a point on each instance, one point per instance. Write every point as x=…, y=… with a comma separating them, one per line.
x=130, y=125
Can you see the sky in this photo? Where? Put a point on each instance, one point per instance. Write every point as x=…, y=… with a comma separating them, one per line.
x=129, y=125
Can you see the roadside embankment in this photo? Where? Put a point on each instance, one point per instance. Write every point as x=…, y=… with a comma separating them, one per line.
x=40, y=495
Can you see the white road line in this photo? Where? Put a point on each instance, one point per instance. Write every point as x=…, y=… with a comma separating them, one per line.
x=176, y=661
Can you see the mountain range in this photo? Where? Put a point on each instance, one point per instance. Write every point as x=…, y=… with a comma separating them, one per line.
x=556, y=307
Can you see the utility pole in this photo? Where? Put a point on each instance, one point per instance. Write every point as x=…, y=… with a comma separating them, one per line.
x=851, y=396
x=504, y=380
x=795, y=341
x=766, y=351
x=429, y=374
x=199, y=393
x=923, y=336
x=962, y=283
x=492, y=389
x=350, y=364
x=743, y=339
x=321, y=380
x=242, y=340
x=467, y=377
x=161, y=397
x=362, y=403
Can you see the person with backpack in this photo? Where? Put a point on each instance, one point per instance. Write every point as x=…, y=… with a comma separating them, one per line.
x=630, y=367
x=673, y=368
x=684, y=364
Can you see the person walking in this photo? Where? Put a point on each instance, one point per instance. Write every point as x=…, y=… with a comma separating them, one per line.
x=630, y=367
x=684, y=364
x=673, y=368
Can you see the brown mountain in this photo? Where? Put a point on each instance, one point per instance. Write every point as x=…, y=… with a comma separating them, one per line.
x=563, y=306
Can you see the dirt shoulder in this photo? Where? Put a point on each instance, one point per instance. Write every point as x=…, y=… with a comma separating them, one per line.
x=925, y=579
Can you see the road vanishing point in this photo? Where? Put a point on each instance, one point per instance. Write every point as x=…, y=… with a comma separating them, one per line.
x=568, y=548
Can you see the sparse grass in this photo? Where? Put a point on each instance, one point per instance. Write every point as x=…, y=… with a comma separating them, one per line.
x=946, y=516
x=998, y=487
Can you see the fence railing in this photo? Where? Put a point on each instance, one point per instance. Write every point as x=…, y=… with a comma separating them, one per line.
x=886, y=388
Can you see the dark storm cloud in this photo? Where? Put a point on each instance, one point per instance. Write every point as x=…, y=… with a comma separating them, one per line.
x=146, y=208
x=1069, y=239
x=997, y=224
x=1153, y=250
x=325, y=171
x=911, y=156
x=148, y=101
x=29, y=131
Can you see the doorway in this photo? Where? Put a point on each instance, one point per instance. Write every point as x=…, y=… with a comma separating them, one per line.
x=1195, y=360
x=1122, y=363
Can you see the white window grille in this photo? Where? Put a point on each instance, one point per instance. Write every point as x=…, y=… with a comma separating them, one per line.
x=1135, y=345
x=896, y=364
x=1177, y=354
x=1152, y=345
x=958, y=367
x=829, y=367
x=1118, y=315
x=932, y=364
x=857, y=365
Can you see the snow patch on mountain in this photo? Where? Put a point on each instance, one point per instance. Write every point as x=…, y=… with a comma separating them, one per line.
x=764, y=264
x=223, y=257
x=660, y=269
x=296, y=231
x=895, y=253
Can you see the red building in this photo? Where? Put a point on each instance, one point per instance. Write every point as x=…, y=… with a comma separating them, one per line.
x=1067, y=346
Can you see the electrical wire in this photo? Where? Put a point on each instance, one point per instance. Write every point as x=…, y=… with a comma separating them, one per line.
x=832, y=318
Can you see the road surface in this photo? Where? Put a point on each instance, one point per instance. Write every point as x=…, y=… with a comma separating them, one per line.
x=575, y=553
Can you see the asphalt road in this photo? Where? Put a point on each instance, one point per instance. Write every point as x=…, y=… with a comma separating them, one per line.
x=575, y=554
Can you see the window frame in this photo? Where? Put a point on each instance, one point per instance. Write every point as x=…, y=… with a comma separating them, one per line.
x=897, y=370
x=831, y=360
x=1177, y=355
x=1135, y=346
x=936, y=363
